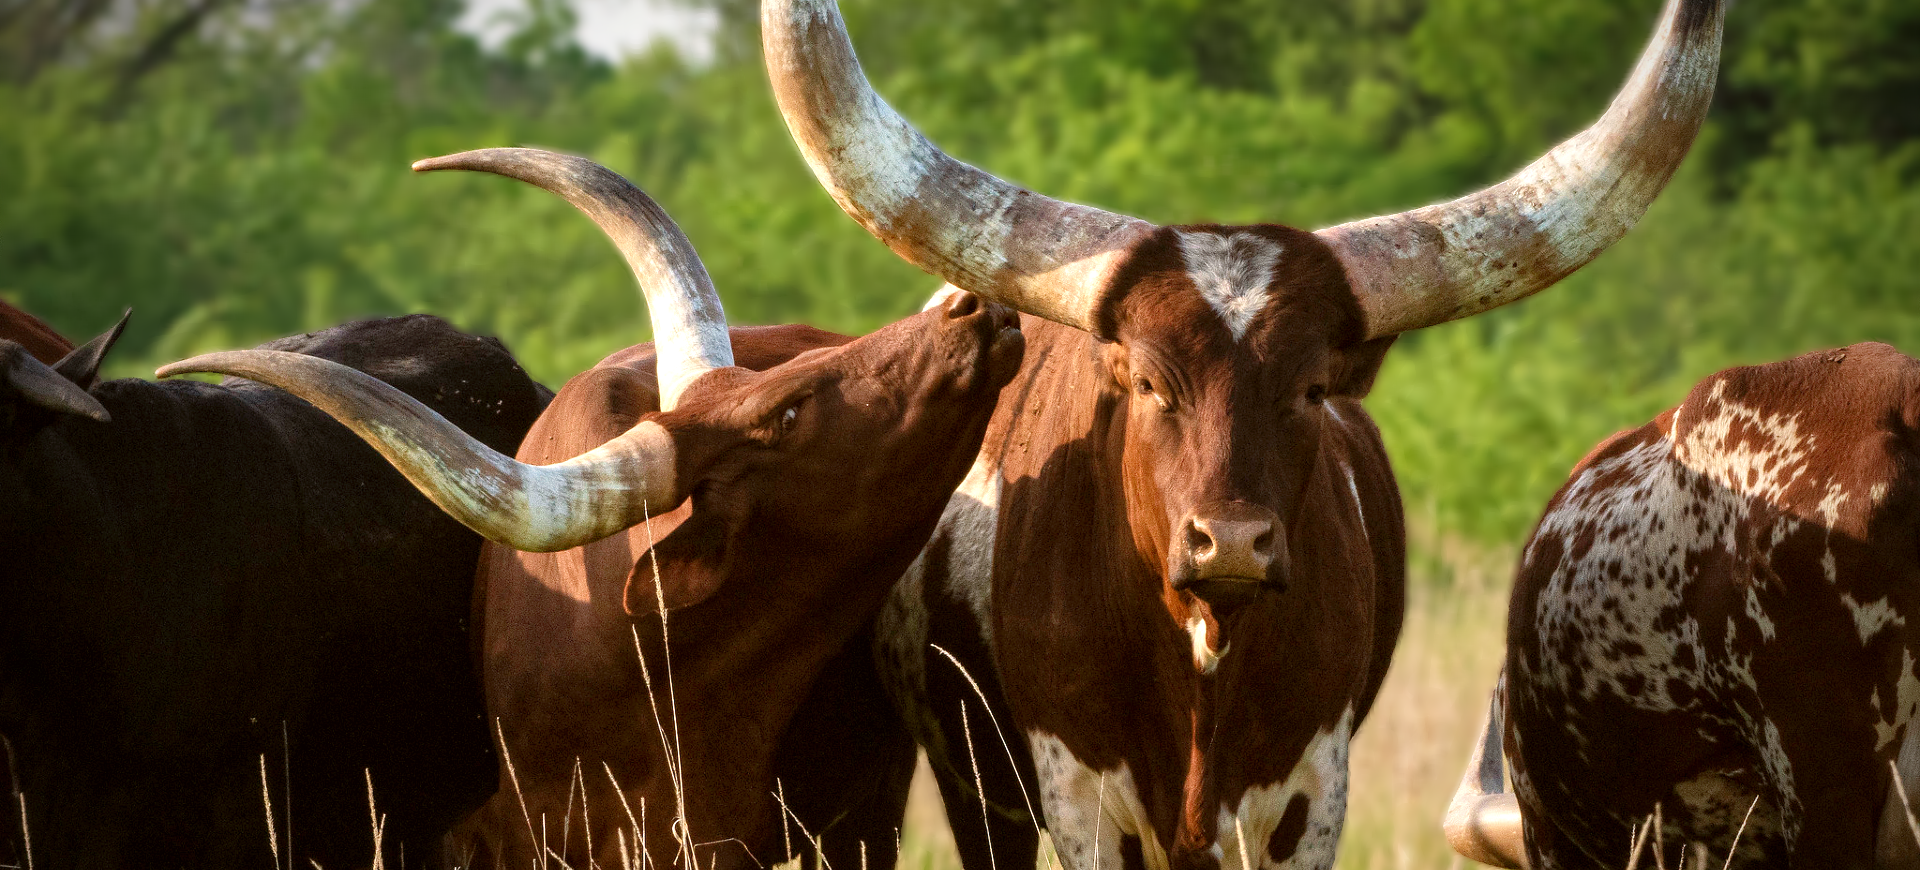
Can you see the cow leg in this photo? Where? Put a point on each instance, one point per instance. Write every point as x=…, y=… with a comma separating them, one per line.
x=1837, y=821
x=990, y=840
x=934, y=650
x=1835, y=792
x=967, y=756
x=845, y=763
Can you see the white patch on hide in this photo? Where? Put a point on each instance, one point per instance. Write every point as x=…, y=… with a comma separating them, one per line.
x=1906, y=704
x=1232, y=273
x=1717, y=805
x=1872, y=618
x=966, y=531
x=1089, y=811
x=1321, y=777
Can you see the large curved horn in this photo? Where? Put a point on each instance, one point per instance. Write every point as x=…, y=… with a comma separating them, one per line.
x=690, y=328
x=1476, y=253
x=1039, y=255
x=1483, y=822
x=540, y=508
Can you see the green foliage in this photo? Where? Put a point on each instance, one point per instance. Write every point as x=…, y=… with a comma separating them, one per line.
x=248, y=179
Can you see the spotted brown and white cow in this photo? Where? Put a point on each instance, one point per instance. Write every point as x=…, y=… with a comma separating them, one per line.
x=1176, y=568
x=1720, y=610
x=765, y=488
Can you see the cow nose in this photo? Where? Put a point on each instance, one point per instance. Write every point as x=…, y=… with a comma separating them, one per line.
x=1225, y=554
x=962, y=304
x=1231, y=547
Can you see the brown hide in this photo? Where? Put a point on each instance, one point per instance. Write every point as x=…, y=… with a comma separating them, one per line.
x=1101, y=457
x=30, y=332
x=777, y=562
x=1720, y=607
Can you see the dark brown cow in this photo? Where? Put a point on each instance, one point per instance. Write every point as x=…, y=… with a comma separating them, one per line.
x=1176, y=567
x=28, y=331
x=194, y=576
x=1720, y=611
x=808, y=487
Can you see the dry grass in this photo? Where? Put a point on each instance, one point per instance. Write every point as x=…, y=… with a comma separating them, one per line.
x=1408, y=757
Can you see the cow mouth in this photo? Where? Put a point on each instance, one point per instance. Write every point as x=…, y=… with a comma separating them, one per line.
x=1224, y=595
x=1008, y=348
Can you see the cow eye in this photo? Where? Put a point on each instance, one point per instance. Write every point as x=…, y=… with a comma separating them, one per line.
x=1316, y=394
x=1144, y=388
x=781, y=424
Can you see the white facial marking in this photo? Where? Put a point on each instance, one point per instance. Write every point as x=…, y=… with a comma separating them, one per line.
x=1321, y=777
x=1089, y=811
x=1232, y=273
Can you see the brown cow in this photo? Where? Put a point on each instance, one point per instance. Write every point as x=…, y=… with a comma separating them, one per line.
x=1176, y=569
x=30, y=332
x=807, y=487
x=1720, y=611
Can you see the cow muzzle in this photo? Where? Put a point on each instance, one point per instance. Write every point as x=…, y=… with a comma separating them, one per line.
x=996, y=327
x=1227, y=554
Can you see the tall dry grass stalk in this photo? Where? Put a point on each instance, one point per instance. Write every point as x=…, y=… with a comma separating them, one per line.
x=20, y=800
x=379, y=827
x=682, y=832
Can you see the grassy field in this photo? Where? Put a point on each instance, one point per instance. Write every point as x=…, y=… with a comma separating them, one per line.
x=1409, y=755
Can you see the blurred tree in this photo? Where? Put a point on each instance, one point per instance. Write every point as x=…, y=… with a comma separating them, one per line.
x=236, y=170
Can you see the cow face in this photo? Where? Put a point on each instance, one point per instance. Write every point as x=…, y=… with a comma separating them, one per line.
x=1227, y=344
x=832, y=446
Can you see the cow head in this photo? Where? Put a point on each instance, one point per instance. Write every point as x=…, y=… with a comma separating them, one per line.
x=820, y=448
x=831, y=446
x=33, y=393
x=1229, y=341
x=1225, y=344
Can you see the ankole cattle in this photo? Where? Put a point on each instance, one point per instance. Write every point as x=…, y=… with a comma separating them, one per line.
x=1720, y=612
x=38, y=339
x=746, y=514
x=1176, y=567
x=195, y=575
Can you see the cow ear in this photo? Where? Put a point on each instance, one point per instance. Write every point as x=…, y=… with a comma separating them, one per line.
x=690, y=563
x=1359, y=364
x=82, y=364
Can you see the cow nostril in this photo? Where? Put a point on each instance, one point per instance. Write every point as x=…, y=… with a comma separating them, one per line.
x=1199, y=543
x=1264, y=542
x=962, y=305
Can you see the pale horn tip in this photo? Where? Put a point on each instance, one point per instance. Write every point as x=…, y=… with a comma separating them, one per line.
x=206, y=363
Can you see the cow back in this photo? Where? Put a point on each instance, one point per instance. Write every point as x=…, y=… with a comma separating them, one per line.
x=222, y=565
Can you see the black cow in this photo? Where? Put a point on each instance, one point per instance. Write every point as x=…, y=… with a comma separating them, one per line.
x=194, y=576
